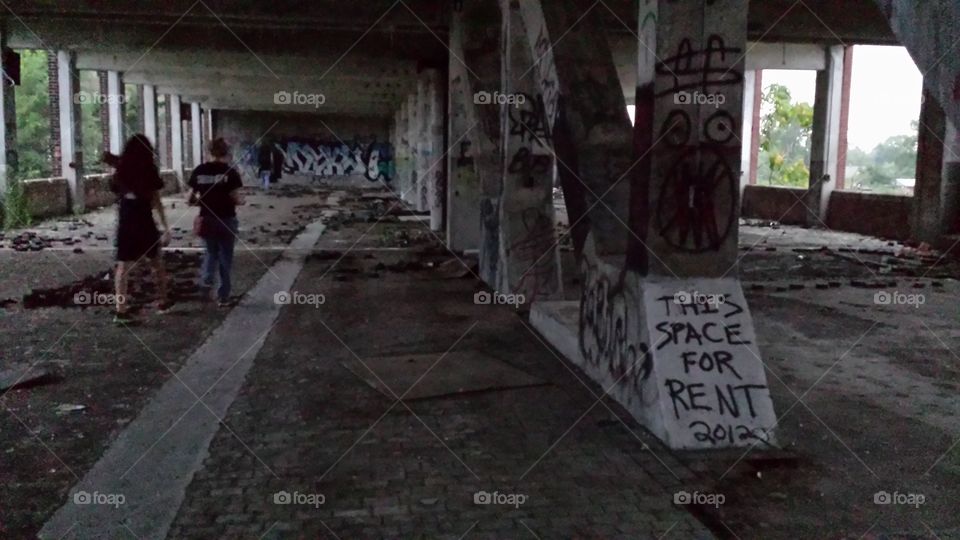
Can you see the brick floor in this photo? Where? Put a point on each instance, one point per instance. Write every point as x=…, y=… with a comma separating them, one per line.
x=304, y=424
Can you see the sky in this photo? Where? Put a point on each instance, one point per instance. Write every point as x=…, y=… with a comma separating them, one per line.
x=884, y=93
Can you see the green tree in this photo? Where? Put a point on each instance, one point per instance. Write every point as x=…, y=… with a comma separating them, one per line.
x=785, y=139
x=894, y=158
x=91, y=127
x=33, y=116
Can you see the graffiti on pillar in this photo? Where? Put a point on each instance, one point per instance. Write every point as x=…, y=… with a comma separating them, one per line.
x=534, y=249
x=309, y=157
x=697, y=202
x=611, y=333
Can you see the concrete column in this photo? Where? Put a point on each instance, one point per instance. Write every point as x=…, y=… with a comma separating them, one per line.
x=927, y=221
x=208, y=124
x=950, y=188
x=176, y=139
x=528, y=246
x=683, y=207
x=750, y=100
x=196, y=133
x=825, y=140
x=115, y=99
x=149, y=97
x=435, y=173
x=8, y=125
x=422, y=143
x=104, y=89
x=412, y=136
x=587, y=115
x=163, y=132
x=482, y=44
x=71, y=140
x=463, y=191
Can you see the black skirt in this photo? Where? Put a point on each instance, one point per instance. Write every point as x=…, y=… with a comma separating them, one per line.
x=137, y=234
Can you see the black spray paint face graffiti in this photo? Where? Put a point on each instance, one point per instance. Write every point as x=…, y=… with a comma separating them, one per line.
x=697, y=202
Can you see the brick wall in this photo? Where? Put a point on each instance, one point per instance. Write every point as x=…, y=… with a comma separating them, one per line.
x=53, y=95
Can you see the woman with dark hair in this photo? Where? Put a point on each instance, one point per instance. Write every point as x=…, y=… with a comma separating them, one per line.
x=137, y=184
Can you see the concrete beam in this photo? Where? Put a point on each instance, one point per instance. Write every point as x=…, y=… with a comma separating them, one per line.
x=825, y=139
x=800, y=56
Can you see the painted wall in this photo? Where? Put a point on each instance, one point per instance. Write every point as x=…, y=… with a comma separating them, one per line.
x=337, y=150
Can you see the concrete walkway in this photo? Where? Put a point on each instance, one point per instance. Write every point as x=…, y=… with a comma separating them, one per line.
x=137, y=486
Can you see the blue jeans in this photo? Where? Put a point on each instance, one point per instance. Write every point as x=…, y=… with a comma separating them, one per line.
x=219, y=254
x=265, y=180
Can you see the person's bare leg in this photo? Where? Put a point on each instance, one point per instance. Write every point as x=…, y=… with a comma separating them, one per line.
x=120, y=279
x=160, y=274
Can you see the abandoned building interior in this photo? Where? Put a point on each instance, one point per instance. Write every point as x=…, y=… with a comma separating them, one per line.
x=482, y=268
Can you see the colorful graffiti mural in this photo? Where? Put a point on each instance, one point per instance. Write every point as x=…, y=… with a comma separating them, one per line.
x=372, y=160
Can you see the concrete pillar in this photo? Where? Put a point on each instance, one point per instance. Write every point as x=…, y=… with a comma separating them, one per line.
x=528, y=246
x=71, y=140
x=680, y=257
x=412, y=136
x=163, y=131
x=950, y=188
x=149, y=98
x=422, y=143
x=587, y=115
x=196, y=133
x=926, y=219
x=481, y=53
x=435, y=173
x=208, y=124
x=115, y=99
x=104, y=89
x=750, y=99
x=463, y=191
x=176, y=139
x=825, y=139
x=8, y=125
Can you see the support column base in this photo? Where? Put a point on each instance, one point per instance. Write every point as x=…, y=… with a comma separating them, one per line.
x=689, y=371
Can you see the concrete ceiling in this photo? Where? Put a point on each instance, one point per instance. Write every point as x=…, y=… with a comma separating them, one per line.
x=362, y=56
